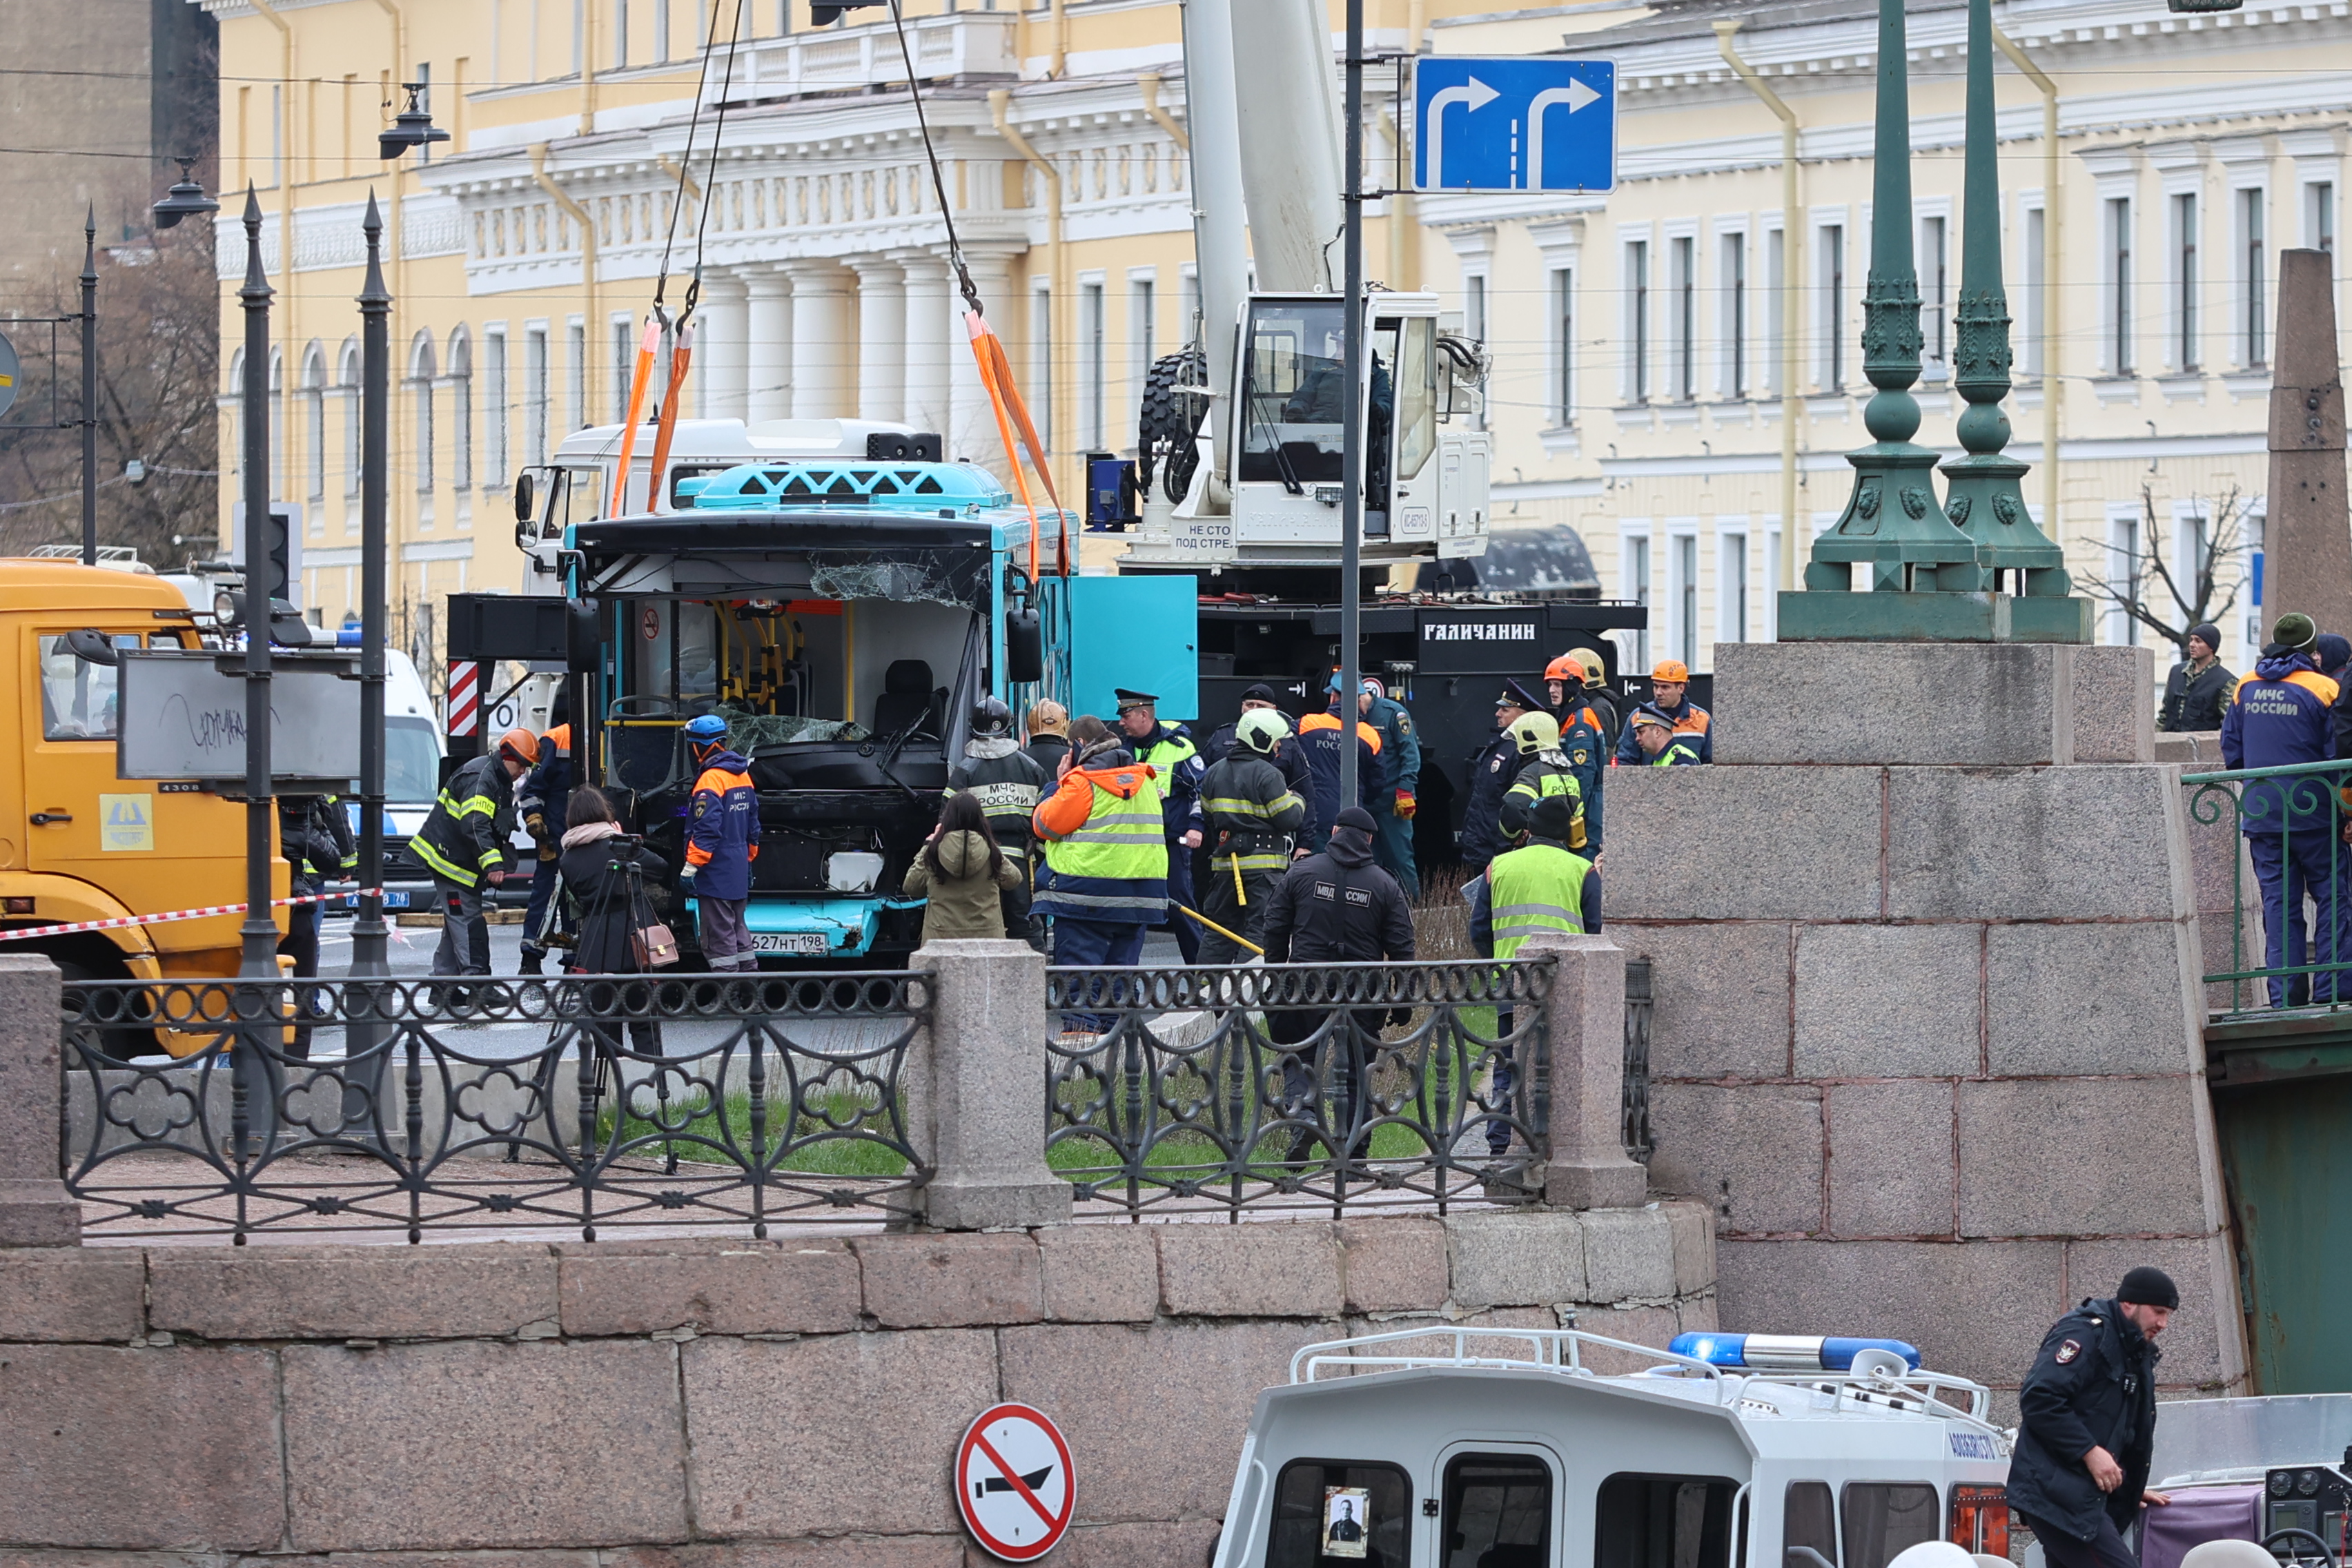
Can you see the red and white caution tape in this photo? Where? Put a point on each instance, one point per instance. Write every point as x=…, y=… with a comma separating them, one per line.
x=208, y=913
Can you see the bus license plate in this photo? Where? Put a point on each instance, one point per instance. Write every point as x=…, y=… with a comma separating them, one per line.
x=790, y=942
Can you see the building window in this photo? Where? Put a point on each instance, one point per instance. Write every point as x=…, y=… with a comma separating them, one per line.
x=1731, y=590
x=2037, y=303
x=1776, y=310
x=1686, y=598
x=1041, y=362
x=576, y=345
x=348, y=381
x=461, y=411
x=1935, y=287
x=1637, y=299
x=661, y=29
x=2124, y=548
x=2250, y=224
x=621, y=34
x=2320, y=222
x=1091, y=333
x=2119, y=286
x=2184, y=266
x=624, y=358
x=1142, y=328
x=420, y=377
x=1833, y=305
x=534, y=395
x=1735, y=315
x=1563, y=318
x=1685, y=319
x=495, y=456
x=314, y=410
x=1637, y=585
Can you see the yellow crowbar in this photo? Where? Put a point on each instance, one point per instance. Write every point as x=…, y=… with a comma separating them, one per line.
x=1229, y=936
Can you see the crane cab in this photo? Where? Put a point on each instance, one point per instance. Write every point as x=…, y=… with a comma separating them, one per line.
x=1465, y=1447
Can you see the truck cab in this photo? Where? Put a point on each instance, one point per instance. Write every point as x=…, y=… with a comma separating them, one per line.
x=85, y=845
x=844, y=617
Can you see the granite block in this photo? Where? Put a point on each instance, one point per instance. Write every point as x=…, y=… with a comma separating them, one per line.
x=1531, y=1259
x=425, y=1424
x=1395, y=1263
x=877, y=1415
x=2113, y=697
x=2080, y=1157
x=1652, y=1325
x=951, y=1281
x=1693, y=1233
x=1783, y=843
x=140, y=1449
x=2198, y=750
x=1891, y=1161
x=1156, y=1410
x=1100, y=1274
x=1699, y=1314
x=1182, y=1543
x=351, y=1292
x=1877, y=1001
x=1969, y=844
x=1858, y=703
x=2104, y=998
x=1753, y=1152
x=1276, y=1270
x=84, y=1295
x=1977, y=1310
x=941, y=1550
x=1629, y=1254
x=1722, y=996
x=720, y=1288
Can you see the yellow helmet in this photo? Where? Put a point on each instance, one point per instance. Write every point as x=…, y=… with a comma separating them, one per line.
x=1536, y=733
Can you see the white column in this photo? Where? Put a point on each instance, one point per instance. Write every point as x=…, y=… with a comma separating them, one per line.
x=770, y=341
x=934, y=337
x=881, y=338
x=822, y=368
x=719, y=347
x=972, y=423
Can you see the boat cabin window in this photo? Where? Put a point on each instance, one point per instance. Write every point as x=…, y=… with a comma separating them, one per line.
x=1882, y=1518
x=1808, y=1526
x=1497, y=1512
x=1665, y=1521
x=1980, y=1519
x=1336, y=1511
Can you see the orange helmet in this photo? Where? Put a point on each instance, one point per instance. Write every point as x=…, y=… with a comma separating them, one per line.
x=521, y=744
x=1565, y=668
x=1671, y=671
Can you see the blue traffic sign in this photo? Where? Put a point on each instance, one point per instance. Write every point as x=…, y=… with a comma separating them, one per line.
x=1514, y=124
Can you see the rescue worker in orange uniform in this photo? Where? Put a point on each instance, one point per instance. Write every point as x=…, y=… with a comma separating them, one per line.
x=1669, y=690
x=722, y=839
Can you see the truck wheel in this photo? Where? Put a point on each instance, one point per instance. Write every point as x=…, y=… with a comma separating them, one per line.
x=115, y=1045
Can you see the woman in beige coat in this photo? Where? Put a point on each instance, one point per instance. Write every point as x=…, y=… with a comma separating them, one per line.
x=960, y=870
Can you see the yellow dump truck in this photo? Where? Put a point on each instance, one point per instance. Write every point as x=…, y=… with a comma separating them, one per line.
x=82, y=844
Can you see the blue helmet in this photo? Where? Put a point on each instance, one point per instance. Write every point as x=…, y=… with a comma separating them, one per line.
x=706, y=729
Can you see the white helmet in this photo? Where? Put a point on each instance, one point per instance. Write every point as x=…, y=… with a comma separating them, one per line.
x=1262, y=730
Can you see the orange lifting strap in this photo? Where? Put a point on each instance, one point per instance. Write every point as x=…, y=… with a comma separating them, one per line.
x=681, y=355
x=996, y=375
x=647, y=346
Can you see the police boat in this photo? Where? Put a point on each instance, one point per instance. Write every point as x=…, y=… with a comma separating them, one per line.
x=1491, y=1447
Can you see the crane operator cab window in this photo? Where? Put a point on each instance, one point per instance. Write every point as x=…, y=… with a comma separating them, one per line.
x=1663, y=1522
x=1331, y=1513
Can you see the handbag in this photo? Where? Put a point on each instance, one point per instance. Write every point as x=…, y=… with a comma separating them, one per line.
x=651, y=941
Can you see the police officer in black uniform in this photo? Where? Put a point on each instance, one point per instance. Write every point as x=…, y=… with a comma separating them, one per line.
x=2086, y=1425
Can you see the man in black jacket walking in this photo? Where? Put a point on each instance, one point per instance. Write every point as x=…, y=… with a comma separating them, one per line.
x=2086, y=1426
x=1337, y=907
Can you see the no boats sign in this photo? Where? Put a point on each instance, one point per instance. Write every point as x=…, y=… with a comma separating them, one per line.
x=1014, y=1483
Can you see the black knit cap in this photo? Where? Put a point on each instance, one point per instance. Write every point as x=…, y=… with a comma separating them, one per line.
x=2146, y=1287
x=1356, y=819
x=1261, y=692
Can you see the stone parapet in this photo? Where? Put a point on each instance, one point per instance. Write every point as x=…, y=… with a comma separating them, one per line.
x=35, y=1208
x=658, y=1404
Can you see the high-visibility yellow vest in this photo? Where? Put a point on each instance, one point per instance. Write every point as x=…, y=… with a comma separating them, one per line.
x=1539, y=888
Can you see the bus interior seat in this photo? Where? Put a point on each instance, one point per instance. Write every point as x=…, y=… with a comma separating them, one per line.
x=909, y=697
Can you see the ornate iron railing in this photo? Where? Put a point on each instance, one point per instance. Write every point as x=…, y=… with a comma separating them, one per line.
x=2290, y=921
x=1298, y=1086
x=495, y=1106
x=1639, y=1006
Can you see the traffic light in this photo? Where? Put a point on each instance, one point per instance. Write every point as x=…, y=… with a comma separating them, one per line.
x=823, y=11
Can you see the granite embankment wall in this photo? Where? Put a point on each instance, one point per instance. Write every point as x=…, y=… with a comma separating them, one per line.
x=709, y=1404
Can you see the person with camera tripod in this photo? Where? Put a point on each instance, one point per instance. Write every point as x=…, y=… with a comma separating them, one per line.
x=604, y=873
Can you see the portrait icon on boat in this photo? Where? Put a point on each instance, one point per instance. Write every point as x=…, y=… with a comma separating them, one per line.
x=1346, y=1521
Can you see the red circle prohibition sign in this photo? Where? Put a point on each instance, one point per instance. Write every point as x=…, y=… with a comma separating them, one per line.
x=1014, y=1484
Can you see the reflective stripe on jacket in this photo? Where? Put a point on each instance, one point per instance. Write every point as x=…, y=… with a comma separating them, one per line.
x=722, y=832
x=463, y=835
x=1107, y=845
x=1252, y=813
x=1008, y=784
x=1548, y=773
x=1539, y=888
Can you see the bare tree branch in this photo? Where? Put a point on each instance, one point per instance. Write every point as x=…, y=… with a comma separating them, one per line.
x=2193, y=603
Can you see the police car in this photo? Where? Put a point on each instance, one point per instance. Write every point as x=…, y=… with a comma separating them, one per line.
x=1479, y=1447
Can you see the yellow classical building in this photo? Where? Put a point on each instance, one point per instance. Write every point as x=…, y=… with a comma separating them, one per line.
x=1651, y=346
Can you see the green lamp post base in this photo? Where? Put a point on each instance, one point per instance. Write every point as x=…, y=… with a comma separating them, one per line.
x=1931, y=616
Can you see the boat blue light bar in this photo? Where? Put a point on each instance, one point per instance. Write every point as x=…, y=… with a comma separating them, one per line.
x=1785, y=1352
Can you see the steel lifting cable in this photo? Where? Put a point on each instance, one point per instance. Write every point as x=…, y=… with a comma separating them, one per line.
x=987, y=347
